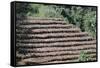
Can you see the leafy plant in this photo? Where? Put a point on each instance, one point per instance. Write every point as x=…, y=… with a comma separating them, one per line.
x=84, y=57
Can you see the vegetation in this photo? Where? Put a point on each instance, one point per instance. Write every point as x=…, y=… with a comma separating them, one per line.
x=82, y=17
x=84, y=57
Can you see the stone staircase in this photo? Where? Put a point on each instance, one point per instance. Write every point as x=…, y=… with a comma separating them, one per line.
x=51, y=40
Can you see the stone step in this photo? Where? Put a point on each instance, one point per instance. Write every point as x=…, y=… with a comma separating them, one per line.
x=53, y=40
x=43, y=31
x=54, y=26
x=56, y=44
x=51, y=35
